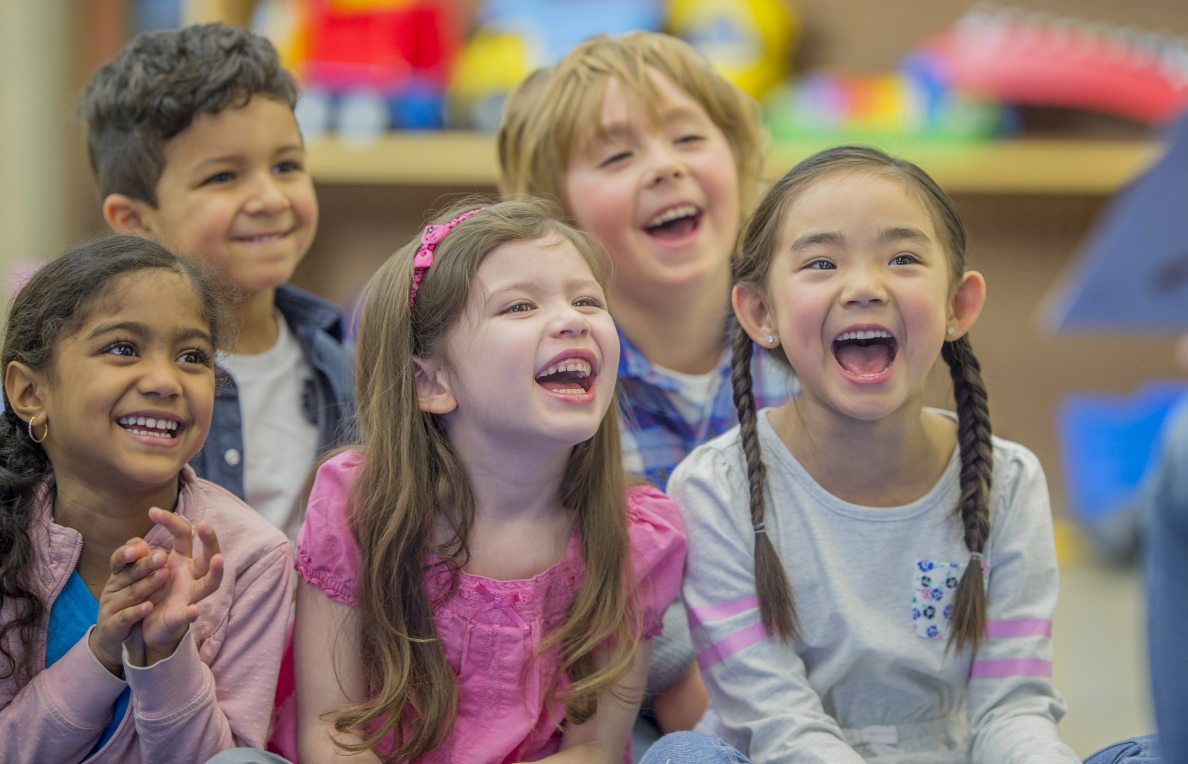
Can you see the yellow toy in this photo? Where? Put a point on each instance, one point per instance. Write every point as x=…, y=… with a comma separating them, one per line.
x=747, y=40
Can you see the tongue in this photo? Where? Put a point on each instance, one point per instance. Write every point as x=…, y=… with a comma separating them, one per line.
x=864, y=361
x=674, y=229
x=562, y=380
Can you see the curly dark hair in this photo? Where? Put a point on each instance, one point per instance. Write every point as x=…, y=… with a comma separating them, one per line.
x=55, y=303
x=155, y=86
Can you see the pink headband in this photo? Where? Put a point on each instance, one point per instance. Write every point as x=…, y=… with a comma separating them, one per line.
x=430, y=238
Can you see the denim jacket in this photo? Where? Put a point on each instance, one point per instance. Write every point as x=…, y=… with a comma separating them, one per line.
x=329, y=399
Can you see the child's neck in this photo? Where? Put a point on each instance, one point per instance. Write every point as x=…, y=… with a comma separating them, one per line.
x=683, y=329
x=888, y=462
x=258, y=330
x=520, y=528
x=106, y=517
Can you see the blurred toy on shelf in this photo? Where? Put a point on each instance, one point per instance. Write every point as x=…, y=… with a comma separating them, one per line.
x=892, y=105
x=365, y=66
x=516, y=37
x=1019, y=57
x=749, y=41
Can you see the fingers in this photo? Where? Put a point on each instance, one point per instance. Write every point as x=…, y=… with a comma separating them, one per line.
x=210, y=548
x=135, y=549
x=133, y=574
x=208, y=584
x=178, y=528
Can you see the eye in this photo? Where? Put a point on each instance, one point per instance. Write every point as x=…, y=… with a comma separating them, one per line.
x=690, y=139
x=821, y=265
x=519, y=307
x=194, y=356
x=613, y=158
x=587, y=302
x=903, y=258
x=221, y=177
x=287, y=166
x=121, y=347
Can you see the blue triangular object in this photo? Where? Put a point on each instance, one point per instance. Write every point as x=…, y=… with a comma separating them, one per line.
x=1132, y=274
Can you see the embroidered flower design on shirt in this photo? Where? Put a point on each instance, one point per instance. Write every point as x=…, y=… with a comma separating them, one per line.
x=932, y=601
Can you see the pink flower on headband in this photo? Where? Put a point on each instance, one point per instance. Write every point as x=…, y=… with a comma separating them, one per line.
x=430, y=238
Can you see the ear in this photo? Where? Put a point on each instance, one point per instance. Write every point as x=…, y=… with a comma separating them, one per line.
x=433, y=387
x=750, y=306
x=128, y=216
x=968, y=299
x=24, y=388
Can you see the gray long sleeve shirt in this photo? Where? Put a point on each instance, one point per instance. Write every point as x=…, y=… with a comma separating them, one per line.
x=869, y=678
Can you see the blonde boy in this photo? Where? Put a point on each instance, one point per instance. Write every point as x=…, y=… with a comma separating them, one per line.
x=193, y=143
x=660, y=158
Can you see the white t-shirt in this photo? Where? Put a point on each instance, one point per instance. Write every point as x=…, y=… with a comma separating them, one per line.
x=697, y=392
x=280, y=443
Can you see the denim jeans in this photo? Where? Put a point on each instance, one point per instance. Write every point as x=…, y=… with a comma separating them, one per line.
x=692, y=748
x=1167, y=588
x=1139, y=750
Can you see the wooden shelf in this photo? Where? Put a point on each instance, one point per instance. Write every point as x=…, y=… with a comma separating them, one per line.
x=997, y=167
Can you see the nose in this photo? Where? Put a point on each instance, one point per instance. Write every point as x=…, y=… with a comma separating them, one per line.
x=665, y=162
x=266, y=195
x=570, y=322
x=864, y=287
x=161, y=378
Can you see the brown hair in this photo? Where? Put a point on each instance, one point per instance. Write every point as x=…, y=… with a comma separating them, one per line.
x=752, y=265
x=557, y=109
x=412, y=478
x=55, y=303
x=155, y=86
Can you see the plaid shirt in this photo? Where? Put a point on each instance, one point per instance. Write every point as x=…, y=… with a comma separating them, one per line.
x=656, y=437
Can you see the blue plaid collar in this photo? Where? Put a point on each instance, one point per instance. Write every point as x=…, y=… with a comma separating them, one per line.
x=633, y=365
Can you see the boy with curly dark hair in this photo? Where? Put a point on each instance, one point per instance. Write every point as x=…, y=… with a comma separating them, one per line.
x=193, y=143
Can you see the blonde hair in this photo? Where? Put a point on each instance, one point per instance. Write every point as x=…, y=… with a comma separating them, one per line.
x=411, y=478
x=556, y=110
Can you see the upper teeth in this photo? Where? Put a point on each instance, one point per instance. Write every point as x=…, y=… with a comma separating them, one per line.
x=570, y=364
x=151, y=422
x=684, y=211
x=867, y=334
x=262, y=237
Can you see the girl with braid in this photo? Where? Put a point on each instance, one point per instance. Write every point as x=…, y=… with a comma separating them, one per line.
x=866, y=577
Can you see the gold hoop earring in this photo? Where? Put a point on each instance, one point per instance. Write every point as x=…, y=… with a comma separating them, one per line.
x=33, y=437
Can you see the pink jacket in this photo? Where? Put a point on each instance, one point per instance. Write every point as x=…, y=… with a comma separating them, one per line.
x=215, y=692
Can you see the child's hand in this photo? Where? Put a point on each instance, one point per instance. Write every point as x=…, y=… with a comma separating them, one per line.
x=191, y=580
x=136, y=574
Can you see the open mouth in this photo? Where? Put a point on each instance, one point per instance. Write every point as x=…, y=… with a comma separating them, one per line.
x=865, y=352
x=263, y=237
x=675, y=222
x=157, y=428
x=570, y=376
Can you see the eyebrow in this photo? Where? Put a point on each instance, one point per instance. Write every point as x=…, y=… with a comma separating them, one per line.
x=141, y=329
x=231, y=158
x=529, y=286
x=903, y=233
x=832, y=238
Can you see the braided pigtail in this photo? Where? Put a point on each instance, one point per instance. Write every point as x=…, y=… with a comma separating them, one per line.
x=973, y=508
x=776, y=607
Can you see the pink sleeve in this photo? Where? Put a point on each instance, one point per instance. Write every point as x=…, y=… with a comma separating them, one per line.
x=658, y=552
x=326, y=553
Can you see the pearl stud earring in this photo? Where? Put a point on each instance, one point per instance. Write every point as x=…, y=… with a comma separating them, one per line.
x=770, y=339
x=951, y=331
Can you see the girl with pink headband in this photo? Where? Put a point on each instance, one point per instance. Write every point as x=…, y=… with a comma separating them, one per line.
x=480, y=574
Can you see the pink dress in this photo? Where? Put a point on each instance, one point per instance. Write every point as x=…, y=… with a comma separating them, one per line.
x=490, y=629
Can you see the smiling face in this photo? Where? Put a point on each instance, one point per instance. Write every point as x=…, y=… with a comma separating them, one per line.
x=234, y=191
x=131, y=392
x=533, y=360
x=662, y=196
x=859, y=294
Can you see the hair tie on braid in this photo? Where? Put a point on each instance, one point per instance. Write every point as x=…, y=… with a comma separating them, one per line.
x=760, y=528
x=975, y=556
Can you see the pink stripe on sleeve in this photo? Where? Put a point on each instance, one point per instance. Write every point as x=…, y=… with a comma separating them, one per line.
x=708, y=613
x=1001, y=669
x=1024, y=627
x=743, y=638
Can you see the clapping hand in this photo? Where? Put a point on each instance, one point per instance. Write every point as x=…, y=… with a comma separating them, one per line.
x=191, y=579
x=137, y=573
